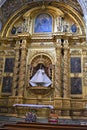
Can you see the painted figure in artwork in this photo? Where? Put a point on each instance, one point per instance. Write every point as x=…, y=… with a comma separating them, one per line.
x=76, y=86
x=75, y=65
x=43, y=23
x=7, y=84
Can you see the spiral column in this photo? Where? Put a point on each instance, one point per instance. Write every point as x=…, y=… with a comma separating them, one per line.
x=16, y=69
x=66, y=89
x=22, y=69
x=58, y=70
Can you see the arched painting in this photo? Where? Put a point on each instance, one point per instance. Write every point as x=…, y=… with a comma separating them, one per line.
x=43, y=23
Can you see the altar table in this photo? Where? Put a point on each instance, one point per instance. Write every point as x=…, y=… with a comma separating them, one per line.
x=33, y=106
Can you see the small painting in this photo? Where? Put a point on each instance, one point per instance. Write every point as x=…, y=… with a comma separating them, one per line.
x=7, y=84
x=76, y=86
x=75, y=65
x=74, y=28
x=43, y=23
x=9, y=65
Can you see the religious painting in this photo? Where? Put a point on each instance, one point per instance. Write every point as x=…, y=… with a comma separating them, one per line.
x=13, y=31
x=43, y=23
x=75, y=65
x=9, y=65
x=74, y=28
x=7, y=84
x=76, y=86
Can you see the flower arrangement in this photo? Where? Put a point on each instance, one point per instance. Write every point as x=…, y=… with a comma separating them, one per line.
x=31, y=117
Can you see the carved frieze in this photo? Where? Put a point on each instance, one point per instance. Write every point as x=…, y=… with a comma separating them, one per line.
x=77, y=104
x=66, y=104
x=58, y=103
x=75, y=52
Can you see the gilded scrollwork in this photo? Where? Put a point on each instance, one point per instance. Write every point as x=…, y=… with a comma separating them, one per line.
x=76, y=52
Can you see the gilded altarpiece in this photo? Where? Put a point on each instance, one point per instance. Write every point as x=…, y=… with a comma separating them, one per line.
x=53, y=40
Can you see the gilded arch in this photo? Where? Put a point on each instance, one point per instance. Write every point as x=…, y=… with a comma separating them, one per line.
x=19, y=14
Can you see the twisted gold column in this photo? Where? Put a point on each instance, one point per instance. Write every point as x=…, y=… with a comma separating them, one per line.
x=22, y=69
x=58, y=70
x=66, y=88
x=16, y=69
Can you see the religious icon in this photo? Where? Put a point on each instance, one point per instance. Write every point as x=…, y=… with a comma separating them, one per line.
x=43, y=23
x=40, y=79
x=76, y=86
x=13, y=31
x=74, y=28
x=7, y=84
x=9, y=65
x=75, y=64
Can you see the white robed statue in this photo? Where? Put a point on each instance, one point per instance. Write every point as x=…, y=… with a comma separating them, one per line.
x=40, y=79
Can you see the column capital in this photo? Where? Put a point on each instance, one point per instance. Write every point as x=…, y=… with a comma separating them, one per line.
x=58, y=43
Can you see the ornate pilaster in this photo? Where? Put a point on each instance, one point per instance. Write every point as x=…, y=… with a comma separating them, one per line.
x=66, y=90
x=58, y=69
x=22, y=69
x=16, y=69
x=85, y=17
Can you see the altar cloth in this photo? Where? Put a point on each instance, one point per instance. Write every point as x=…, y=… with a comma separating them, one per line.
x=33, y=105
